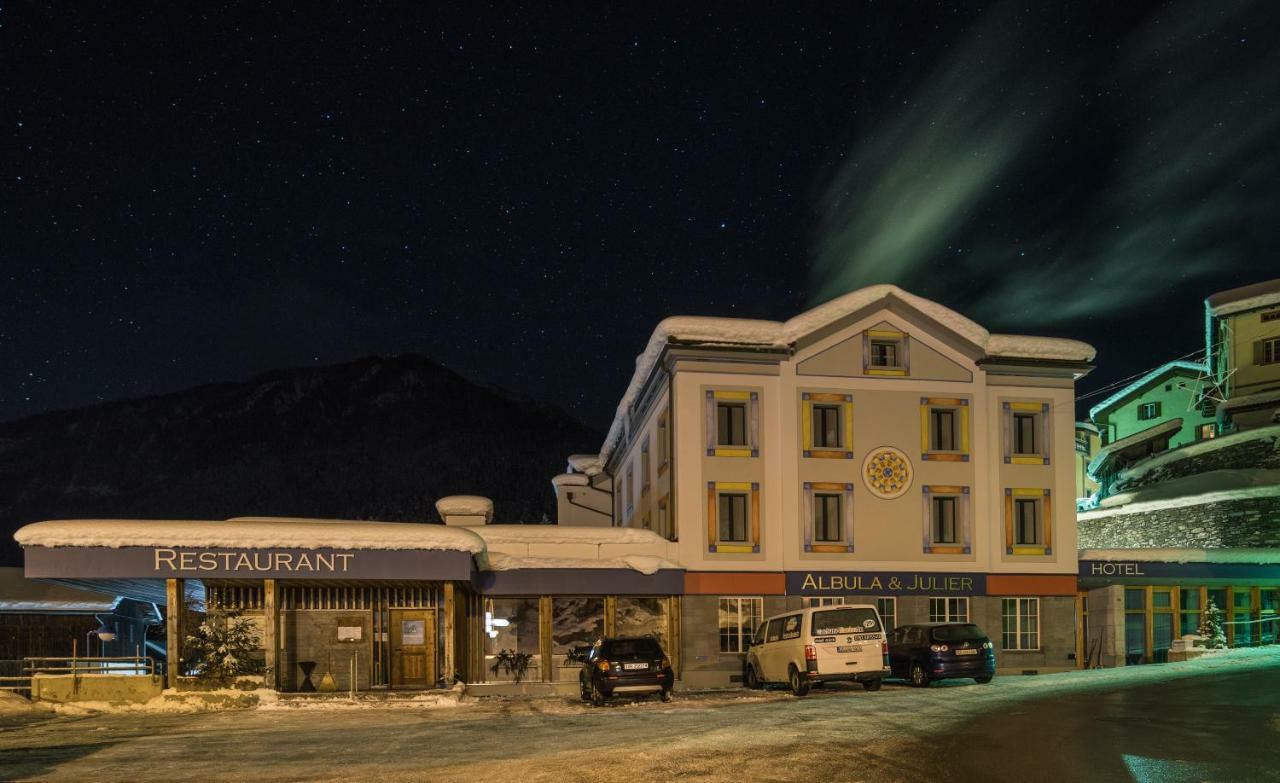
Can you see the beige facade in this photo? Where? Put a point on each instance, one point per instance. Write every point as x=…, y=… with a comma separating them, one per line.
x=1242, y=327
x=877, y=441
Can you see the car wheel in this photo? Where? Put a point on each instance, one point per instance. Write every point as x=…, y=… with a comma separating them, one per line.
x=584, y=691
x=799, y=685
x=918, y=676
x=597, y=697
x=871, y=685
x=983, y=680
x=751, y=680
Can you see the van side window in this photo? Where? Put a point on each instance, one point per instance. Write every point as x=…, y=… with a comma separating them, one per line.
x=759, y=637
x=791, y=627
x=775, y=631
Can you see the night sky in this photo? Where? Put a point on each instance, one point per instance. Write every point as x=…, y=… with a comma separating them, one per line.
x=193, y=193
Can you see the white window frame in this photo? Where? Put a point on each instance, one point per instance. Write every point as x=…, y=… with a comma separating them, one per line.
x=892, y=602
x=947, y=615
x=1019, y=617
x=755, y=617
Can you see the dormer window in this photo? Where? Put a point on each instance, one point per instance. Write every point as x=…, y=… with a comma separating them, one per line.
x=884, y=352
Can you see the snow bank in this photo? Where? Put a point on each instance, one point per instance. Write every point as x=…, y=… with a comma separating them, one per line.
x=565, y=534
x=56, y=606
x=702, y=330
x=1182, y=502
x=465, y=505
x=1173, y=555
x=645, y=564
x=1197, y=484
x=283, y=533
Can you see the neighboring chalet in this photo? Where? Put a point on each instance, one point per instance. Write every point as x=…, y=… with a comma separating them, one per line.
x=42, y=619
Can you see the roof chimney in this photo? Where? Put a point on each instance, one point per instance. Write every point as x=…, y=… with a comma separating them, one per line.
x=467, y=510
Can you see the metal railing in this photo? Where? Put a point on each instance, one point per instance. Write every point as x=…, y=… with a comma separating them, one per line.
x=16, y=675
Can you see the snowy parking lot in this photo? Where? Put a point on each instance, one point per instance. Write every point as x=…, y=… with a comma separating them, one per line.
x=837, y=733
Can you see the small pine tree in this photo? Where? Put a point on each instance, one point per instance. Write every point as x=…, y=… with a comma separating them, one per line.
x=1211, y=627
x=224, y=646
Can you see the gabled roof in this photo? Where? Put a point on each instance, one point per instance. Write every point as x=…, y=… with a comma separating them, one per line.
x=1154, y=431
x=783, y=335
x=1145, y=381
x=1246, y=297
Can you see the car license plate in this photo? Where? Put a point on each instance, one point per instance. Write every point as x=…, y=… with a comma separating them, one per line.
x=635, y=665
x=966, y=652
x=848, y=649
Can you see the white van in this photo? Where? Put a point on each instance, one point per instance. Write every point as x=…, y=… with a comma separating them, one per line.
x=819, y=644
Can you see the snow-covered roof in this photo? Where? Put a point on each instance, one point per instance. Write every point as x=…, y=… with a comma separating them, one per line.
x=645, y=564
x=1199, y=448
x=249, y=533
x=465, y=505
x=782, y=335
x=1145, y=381
x=570, y=480
x=1154, y=431
x=1250, y=400
x=565, y=534
x=19, y=594
x=1182, y=501
x=1195, y=484
x=1247, y=297
x=584, y=463
x=1172, y=555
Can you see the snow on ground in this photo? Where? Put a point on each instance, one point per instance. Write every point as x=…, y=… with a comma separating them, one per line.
x=836, y=733
x=1244, y=493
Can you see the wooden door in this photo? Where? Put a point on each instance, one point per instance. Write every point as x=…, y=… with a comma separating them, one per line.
x=413, y=648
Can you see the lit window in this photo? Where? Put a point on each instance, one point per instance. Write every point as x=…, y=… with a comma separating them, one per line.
x=1208, y=431
x=888, y=609
x=1020, y=623
x=739, y=618
x=884, y=353
x=948, y=610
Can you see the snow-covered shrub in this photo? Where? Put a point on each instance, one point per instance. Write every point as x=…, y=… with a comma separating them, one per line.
x=224, y=646
x=1211, y=627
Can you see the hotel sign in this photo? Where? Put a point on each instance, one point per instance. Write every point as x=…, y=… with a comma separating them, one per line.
x=1142, y=571
x=816, y=583
x=137, y=562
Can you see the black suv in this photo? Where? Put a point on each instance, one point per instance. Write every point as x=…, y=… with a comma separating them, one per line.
x=622, y=665
x=925, y=652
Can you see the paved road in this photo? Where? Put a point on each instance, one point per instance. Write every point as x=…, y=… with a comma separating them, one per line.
x=1088, y=726
x=1217, y=728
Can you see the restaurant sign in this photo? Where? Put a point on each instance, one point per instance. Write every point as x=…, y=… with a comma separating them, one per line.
x=884, y=583
x=235, y=563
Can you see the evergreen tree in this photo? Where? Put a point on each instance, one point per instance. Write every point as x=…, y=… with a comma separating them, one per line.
x=1211, y=627
x=224, y=646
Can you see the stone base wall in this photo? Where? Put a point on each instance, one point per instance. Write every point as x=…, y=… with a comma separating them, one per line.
x=1244, y=523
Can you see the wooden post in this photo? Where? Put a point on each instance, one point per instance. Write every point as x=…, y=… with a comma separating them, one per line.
x=544, y=636
x=610, y=615
x=271, y=632
x=175, y=595
x=450, y=635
